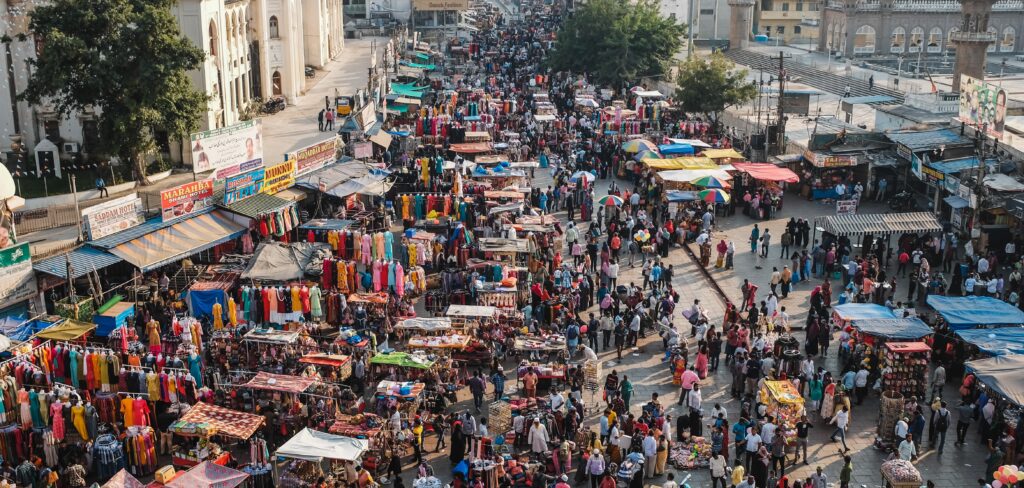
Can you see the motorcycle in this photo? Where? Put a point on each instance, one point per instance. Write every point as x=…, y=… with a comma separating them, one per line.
x=274, y=105
x=903, y=201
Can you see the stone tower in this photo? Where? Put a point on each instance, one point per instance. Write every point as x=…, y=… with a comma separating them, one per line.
x=972, y=40
x=740, y=23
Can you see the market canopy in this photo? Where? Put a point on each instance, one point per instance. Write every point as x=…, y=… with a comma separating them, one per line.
x=402, y=359
x=279, y=382
x=784, y=392
x=680, y=196
x=271, y=336
x=178, y=241
x=312, y=445
x=862, y=311
x=687, y=162
x=879, y=224
x=692, y=142
x=503, y=245
x=84, y=260
x=688, y=175
x=995, y=342
x=767, y=172
x=123, y=479
x=908, y=328
x=471, y=147
x=1002, y=374
x=68, y=330
x=470, y=311
x=973, y=311
x=666, y=149
x=722, y=154
x=209, y=475
x=321, y=359
x=279, y=261
x=373, y=185
x=223, y=421
x=428, y=324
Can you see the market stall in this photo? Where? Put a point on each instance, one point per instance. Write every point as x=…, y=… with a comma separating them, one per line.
x=969, y=312
x=405, y=396
x=899, y=473
x=340, y=366
x=301, y=460
x=373, y=429
x=1001, y=374
x=205, y=421
x=786, y=405
x=209, y=475
x=846, y=313
x=470, y=317
x=1003, y=341
x=906, y=368
x=400, y=366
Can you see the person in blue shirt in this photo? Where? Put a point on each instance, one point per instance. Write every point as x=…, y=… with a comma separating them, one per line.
x=656, y=275
x=498, y=380
x=101, y=186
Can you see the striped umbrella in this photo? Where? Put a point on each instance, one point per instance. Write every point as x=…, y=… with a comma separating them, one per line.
x=637, y=145
x=610, y=201
x=709, y=182
x=642, y=155
x=713, y=195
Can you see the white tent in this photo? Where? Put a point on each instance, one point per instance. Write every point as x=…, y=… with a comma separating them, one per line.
x=688, y=175
x=312, y=445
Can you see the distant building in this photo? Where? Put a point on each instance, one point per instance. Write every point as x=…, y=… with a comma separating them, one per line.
x=788, y=20
x=710, y=17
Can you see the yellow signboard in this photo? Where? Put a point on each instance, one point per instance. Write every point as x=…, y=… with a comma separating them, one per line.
x=279, y=177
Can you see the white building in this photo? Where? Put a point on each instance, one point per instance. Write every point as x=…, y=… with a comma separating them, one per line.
x=710, y=17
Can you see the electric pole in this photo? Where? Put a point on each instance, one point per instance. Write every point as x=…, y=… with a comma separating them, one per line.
x=780, y=121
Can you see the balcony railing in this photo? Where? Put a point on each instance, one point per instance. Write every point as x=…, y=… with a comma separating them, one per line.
x=958, y=36
x=923, y=5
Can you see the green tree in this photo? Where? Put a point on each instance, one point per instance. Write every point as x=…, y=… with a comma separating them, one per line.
x=710, y=85
x=617, y=41
x=126, y=58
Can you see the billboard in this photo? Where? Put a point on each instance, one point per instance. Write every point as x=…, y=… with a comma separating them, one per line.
x=245, y=185
x=113, y=216
x=17, y=281
x=228, y=147
x=186, y=199
x=279, y=176
x=982, y=104
x=314, y=157
x=439, y=5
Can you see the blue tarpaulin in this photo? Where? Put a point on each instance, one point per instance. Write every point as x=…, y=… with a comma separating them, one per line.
x=21, y=331
x=1002, y=374
x=910, y=328
x=666, y=149
x=200, y=302
x=862, y=311
x=995, y=342
x=680, y=196
x=970, y=312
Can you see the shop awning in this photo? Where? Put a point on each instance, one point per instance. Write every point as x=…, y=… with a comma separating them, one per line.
x=402, y=359
x=910, y=328
x=311, y=445
x=930, y=139
x=956, y=202
x=995, y=342
x=688, y=175
x=327, y=224
x=692, y=142
x=68, y=330
x=1002, y=374
x=180, y=240
x=954, y=166
x=471, y=147
x=123, y=480
x=470, y=311
x=666, y=149
x=277, y=261
x=680, y=196
x=691, y=162
x=862, y=311
x=500, y=244
x=429, y=324
x=767, y=172
x=84, y=260
x=722, y=154
x=879, y=224
x=907, y=347
x=271, y=336
x=209, y=475
x=320, y=359
x=373, y=185
x=279, y=382
x=973, y=311
x=224, y=421
x=256, y=205
x=333, y=175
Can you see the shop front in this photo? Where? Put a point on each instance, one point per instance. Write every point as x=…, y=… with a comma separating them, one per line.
x=823, y=172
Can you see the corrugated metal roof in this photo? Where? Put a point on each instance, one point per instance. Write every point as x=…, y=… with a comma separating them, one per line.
x=333, y=175
x=919, y=140
x=84, y=260
x=953, y=166
x=256, y=205
x=879, y=224
x=147, y=227
x=182, y=239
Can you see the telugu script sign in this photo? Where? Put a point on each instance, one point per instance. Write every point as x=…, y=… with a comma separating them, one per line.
x=113, y=216
x=186, y=199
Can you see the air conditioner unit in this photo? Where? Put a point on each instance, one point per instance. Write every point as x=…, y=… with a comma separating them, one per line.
x=71, y=147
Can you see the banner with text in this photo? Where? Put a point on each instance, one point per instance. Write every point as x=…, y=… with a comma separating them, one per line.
x=17, y=281
x=245, y=185
x=440, y=5
x=228, y=147
x=113, y=216
x=186, y=199
x=314, y=157
x=982, y=104
x=279, y=176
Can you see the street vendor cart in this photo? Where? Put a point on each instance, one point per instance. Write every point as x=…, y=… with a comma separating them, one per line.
x=310, y=454
x=786, y=405
x=204, y=422
x=899, y=473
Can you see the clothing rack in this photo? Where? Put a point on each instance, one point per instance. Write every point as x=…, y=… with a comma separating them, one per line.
x=29, y=353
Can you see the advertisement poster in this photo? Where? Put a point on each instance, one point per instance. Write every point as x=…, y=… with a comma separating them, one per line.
x=234, y=146
x=17, y=281
x=279, y=176
x=982, y=104
x=113, y=216
x=245, y=185
x=186, y=199
x=846, y=207
x=314, y=157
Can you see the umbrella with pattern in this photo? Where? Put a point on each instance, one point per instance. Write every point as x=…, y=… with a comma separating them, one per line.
x=713, y=195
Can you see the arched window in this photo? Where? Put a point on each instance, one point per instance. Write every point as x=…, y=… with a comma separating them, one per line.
x=274, y=34
x=916, y=39
x=995, y=34
x=276, y=81
x=864, y=40
x=898, y=41
x=213, y=38
x=1009, y=40
x=935, y=40
x=950, y=45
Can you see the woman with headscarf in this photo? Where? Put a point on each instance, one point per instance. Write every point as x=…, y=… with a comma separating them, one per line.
x=458, y=443
x=722, y=247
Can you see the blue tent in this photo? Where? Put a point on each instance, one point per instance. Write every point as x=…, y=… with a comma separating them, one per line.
x=995, y=342
x=905, y=329
x=970, y=312
x=862, y=311
x=666, y=149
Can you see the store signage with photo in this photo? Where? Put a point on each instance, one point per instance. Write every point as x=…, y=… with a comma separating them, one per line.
x=830, y=160
x=279, y=177
x=982, y=104
x=17, y=281
x=846, y=207
x=187, y=199
x=245, y=185
x=314, y=157
x=113, y=216
x=233, y=146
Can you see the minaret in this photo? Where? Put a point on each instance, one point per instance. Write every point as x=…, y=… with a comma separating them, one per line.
x=972, y=40
x=740, y=23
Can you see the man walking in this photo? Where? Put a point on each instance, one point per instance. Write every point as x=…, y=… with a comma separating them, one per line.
x=841, y=420
x=329, y=116
x=766, y=240
x=941, y=425
x=477, y=386
x=320, y=120
x=965, y=414
x=786, y=240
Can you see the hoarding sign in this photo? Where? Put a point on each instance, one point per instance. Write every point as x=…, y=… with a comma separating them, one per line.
x=830, y=160
x=113, y=216
x=233, y=146
x=314, y=157
x=440, y=5
x=279, y=176
x=245, y=185
x=17, y=281
x=187, y=199
x=982, y=104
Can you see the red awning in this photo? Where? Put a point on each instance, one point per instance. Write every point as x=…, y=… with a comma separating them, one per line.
x=471, y=147
x=279, y=382
x=335, y=360
x=767, y=172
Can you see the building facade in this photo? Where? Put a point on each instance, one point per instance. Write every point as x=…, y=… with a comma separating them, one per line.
x=912, y=27
x=710, y=17
x=790, y=21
